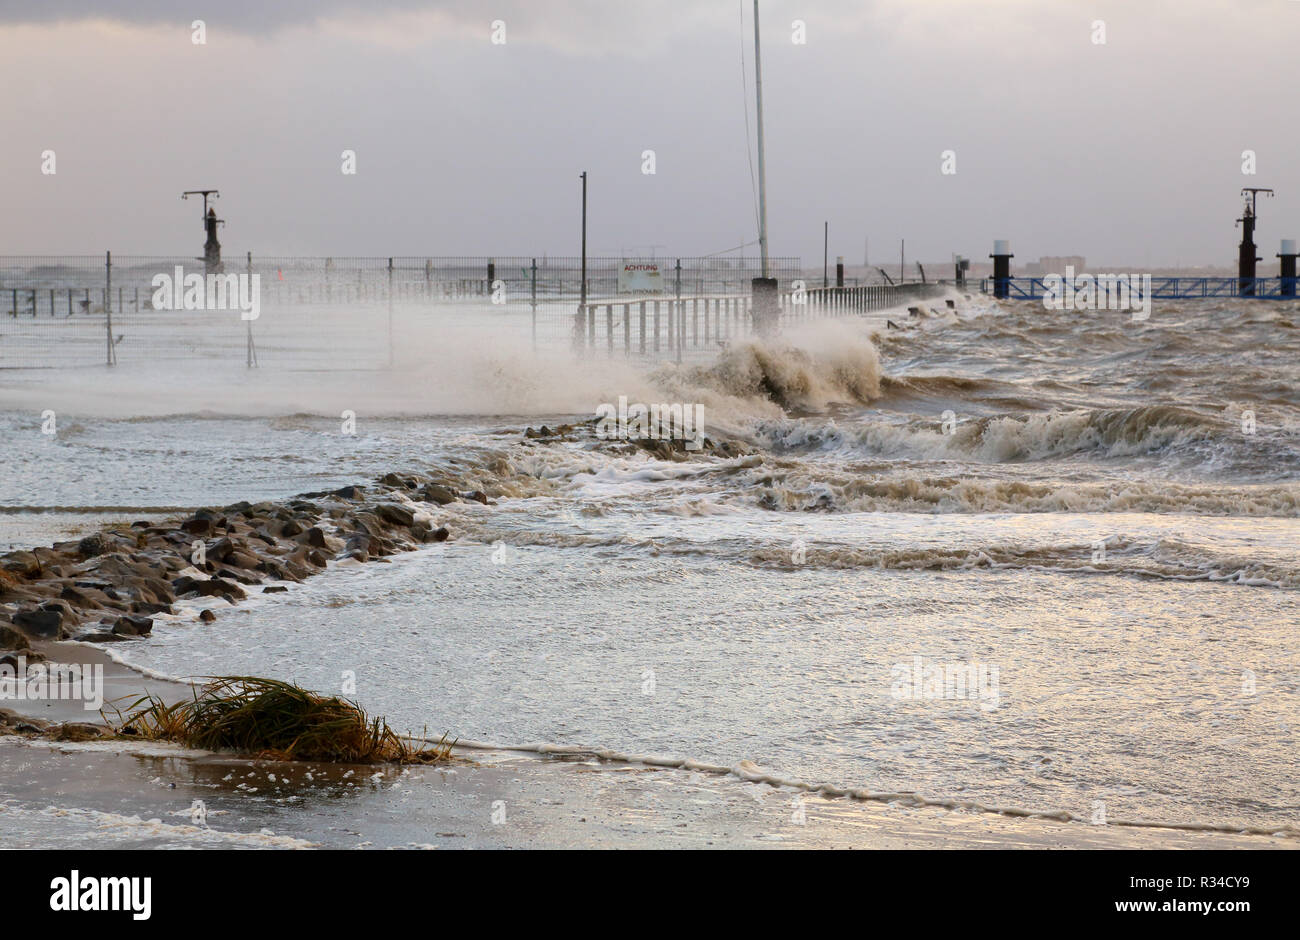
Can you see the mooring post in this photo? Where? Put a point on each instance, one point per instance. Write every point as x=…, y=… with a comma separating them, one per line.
x=765, y=306
x=1286, y=272
x=1001, y=268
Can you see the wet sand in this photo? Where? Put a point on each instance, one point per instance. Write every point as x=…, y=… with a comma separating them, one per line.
x=113, y=794
x=98, y=795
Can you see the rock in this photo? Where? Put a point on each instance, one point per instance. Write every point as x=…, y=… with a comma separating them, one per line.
x=440, y=534
x=150, y=607
x=11, y=639
x=197, y=526
x=348, y=492
x=274, y=589
x=220, y=549
x=213, y=587
x=92, y=545
x=21, y=563
x=62, y=608
x=207, y=616
x=43, y=624
x=29, y=656
x=478, y=496
x=315, y=537
x=433, y=493
x=395, y=514
x=133, y=625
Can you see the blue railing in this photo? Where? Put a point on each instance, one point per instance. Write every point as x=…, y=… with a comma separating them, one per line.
x=1162, y=288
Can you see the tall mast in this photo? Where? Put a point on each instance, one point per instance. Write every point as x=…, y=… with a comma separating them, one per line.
x=762, y=173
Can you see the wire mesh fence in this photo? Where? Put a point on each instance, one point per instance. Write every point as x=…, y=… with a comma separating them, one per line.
x=363, y=312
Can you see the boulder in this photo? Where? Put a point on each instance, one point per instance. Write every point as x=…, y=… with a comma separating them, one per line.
x=11, y=639
x=133, y=625
x=434, y=493
x=92, y=545
x=41, y=623
x=21, y=563
x=395, y=514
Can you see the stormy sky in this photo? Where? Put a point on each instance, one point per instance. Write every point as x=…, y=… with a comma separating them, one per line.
x=1127, y=151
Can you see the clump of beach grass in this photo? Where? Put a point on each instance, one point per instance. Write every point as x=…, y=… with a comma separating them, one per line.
x=276, y=720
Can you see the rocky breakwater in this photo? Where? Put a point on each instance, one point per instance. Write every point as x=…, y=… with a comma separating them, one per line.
x=108, y=586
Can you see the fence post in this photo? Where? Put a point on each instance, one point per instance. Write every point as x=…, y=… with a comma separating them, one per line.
x=250, y=358
x=390, y=313
x=679, y=312
x=108, y=313
x=534, y=302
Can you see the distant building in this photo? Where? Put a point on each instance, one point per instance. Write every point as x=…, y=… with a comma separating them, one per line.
x=1055, y=264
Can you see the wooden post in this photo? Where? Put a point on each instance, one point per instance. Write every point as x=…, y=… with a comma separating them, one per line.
x=533, y=290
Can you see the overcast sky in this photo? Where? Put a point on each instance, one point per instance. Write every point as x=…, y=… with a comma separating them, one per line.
x=1127, y=151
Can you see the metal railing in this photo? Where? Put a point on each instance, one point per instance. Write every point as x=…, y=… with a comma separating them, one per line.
x=1162, y=288
x=363, y=312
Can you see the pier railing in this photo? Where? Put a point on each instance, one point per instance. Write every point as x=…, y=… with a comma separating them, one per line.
x=1162, y=288
x=368, y=312
x=678, y=326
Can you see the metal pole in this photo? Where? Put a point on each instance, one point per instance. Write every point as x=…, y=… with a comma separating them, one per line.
x=251, y=355
x=680, y=311
x=582, y=303
x=762, y=170
x=534, y=294
x=826, y=249
x=390, y=313
x=108, y=313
